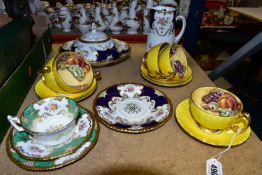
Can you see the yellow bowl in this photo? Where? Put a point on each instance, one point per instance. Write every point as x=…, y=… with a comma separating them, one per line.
x=48, y=77
x=167, y=59
x=201, y=110
x=152, y=58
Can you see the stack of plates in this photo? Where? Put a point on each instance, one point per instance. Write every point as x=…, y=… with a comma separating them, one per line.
x=27, y=154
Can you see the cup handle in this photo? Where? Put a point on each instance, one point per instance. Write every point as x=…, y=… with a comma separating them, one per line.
x=44, y=70
x=243, y=122
x=97, y=75
x=179, y=36
x=15, y=122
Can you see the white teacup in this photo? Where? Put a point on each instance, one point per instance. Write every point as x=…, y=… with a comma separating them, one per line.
x=50, y=121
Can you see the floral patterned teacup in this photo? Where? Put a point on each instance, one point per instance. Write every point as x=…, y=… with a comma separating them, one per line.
x=218, y=109
x=50, y=121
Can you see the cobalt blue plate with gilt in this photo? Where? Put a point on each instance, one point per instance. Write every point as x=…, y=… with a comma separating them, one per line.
x=132, y=108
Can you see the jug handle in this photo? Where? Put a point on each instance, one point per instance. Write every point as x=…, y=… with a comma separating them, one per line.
x=15, y=122
x=179, y=36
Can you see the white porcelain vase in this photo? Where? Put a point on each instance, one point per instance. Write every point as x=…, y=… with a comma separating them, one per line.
x=65, y=19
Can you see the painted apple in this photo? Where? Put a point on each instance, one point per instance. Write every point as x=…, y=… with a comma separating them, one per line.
x=228, y=101
x=77, y=60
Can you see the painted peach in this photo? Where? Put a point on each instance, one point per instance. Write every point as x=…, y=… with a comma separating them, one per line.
x=228, y=101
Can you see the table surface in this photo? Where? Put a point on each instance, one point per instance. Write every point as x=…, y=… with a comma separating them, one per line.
x=251, y=12
x=167, y=150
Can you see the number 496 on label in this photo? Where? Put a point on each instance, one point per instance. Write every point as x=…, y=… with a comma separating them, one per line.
x=213, y=167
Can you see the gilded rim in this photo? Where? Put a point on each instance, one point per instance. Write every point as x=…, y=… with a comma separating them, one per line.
x=203, y=140
x=76, y=99
x=131, y=131
x=65, y=153
x=191, y=100
x=97, y=129
x=46, y=133
x=161, y=82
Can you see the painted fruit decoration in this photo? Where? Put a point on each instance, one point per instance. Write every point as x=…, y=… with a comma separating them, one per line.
x=74, y=70
x=179, y=69
x=74, y=64
x=221, y=103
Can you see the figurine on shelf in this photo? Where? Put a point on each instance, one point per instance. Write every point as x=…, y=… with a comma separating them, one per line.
x=81, y=19
x=132, y=9
x=123, y=15
x=65, y=19
x=54, y=17
x=146, y=11
x=146, y=21
x=50, y=11
x=2, y=8
x=36, y=6
x=149, y=4
x=116, y=25
x=169, y=3
x=106, y=15
x=90, y=12
x=132, y=23
x=69, y=4
x=100, y=24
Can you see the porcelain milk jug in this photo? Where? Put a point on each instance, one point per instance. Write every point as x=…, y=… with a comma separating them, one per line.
x=162, y=26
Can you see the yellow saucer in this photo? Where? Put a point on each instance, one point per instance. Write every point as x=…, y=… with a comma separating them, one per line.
x=222, y=138
x=166, y=82
x=43, y=91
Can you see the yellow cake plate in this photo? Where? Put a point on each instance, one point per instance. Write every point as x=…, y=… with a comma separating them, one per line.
x=43, y=91
x=189, y=125
x=165, y=82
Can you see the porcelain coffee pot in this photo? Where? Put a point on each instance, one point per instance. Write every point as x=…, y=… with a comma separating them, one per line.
x=162, y=26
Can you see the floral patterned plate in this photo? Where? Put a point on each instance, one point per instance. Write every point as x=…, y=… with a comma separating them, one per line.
x=46, y=165
x=132, y=108
x=27, y=148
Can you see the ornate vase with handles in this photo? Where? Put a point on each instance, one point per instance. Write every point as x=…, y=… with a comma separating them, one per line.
x=123, y=15
x=100, y=24
x=162, y=26
x=65, y=19
x=115, y=25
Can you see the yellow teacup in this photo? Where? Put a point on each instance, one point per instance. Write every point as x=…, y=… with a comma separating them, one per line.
x=218, y=109
x=68, y=73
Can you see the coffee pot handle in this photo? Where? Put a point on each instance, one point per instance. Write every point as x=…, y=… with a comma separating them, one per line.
x=179, y=36
x=15, y=122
